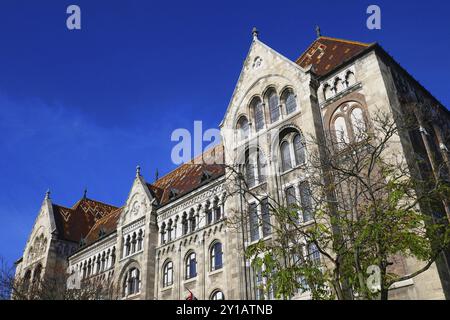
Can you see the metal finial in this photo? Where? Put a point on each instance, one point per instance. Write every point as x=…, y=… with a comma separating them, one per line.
x=85, y=193
x=47, y=194
x=156, y=175
x=255, y=33
x=319, y=34
x=138, y=171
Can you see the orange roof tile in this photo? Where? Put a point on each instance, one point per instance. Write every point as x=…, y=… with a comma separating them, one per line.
x=325, y=53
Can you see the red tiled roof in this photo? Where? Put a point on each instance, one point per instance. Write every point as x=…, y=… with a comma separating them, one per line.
x=104, y=226
x=326, y=53
x=189, y=176
x=76, y=222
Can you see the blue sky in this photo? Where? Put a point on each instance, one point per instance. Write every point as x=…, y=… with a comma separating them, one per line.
x=82, y=108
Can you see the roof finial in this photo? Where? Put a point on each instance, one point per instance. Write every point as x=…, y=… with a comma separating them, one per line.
x=255, y=33
x=47, y=194
x=85, y=193
x=138, y=171
x=319, y=34
x=156, y=175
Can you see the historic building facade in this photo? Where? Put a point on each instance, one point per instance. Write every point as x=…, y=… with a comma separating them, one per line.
x=171, y=237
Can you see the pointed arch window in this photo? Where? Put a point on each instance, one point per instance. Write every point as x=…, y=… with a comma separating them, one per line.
x=258, y=113
x=299, y=149
x=285, y=156
x=243, y=128
x=358, y=124
x=340, y=128
x=274, y=109
x=290, y=101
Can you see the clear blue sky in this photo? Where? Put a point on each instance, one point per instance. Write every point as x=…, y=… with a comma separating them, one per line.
x=83, y=108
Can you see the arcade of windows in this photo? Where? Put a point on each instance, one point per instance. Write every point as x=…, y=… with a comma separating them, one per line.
x=133, y=242
x=190, y=264
x=212, y=212
x=97, y=264
x=273, y=113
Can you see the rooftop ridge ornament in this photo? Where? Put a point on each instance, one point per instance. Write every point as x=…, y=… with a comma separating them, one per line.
x=85, y=193
x=255, y=33
x=319, y=34
x=47, y=194
x=138, y=171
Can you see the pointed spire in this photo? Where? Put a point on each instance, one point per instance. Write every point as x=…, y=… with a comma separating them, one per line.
x=319, y=34
x=85, y=193
x=255, y=33
x=47, y=194
x=138, y=171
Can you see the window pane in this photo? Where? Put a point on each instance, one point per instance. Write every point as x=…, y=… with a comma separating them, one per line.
x=265, y=213
x=250, y=173
x=285, y=156
x=243, y=128
x=291, y=105
x=299, y=150
x=254, y=224
x=259, y=115
x=306, y=201
x=273, y=107
x=262, y=167
x=358, y=124
x=341, y=130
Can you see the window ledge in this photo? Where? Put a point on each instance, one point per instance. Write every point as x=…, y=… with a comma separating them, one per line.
x=163, y=289
x=190, y=280
x=212, y=273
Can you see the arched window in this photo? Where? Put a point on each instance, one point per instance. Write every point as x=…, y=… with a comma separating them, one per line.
x=289, y=100
x=191, y=265
x=250, y=172
x=299, y=149
x=285, y=156
x=168, y=274
x=338, y=86
x=274, y=109
x=133, y=243
x=127, y=245
x=131, y=282
x=242, y=127
x=184, y=223
x=216, y=256
x=350, y=79
x=140, y=239
x=327, y=92
x=27, y=280
x=217, y=295
x=262, y=167
x=340, y=128
x=37, y=273
x=258, y=114
x=163, y=232
x=358, y=124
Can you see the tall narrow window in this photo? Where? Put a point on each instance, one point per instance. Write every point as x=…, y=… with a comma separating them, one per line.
x=168, y=274
x=291, y=104
x=273, y=106
x=250, y=172
x=299, y=149
x=313, y=253
x=285, y=156
x=216, y=256
x=258, y=111
x=259, y=288
x=358, y=124
x=254, y=223
x=191, y=266
x=341, y=131
x=265, y=215
x=243, y=129
x=262, y=167
x=306, y=201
